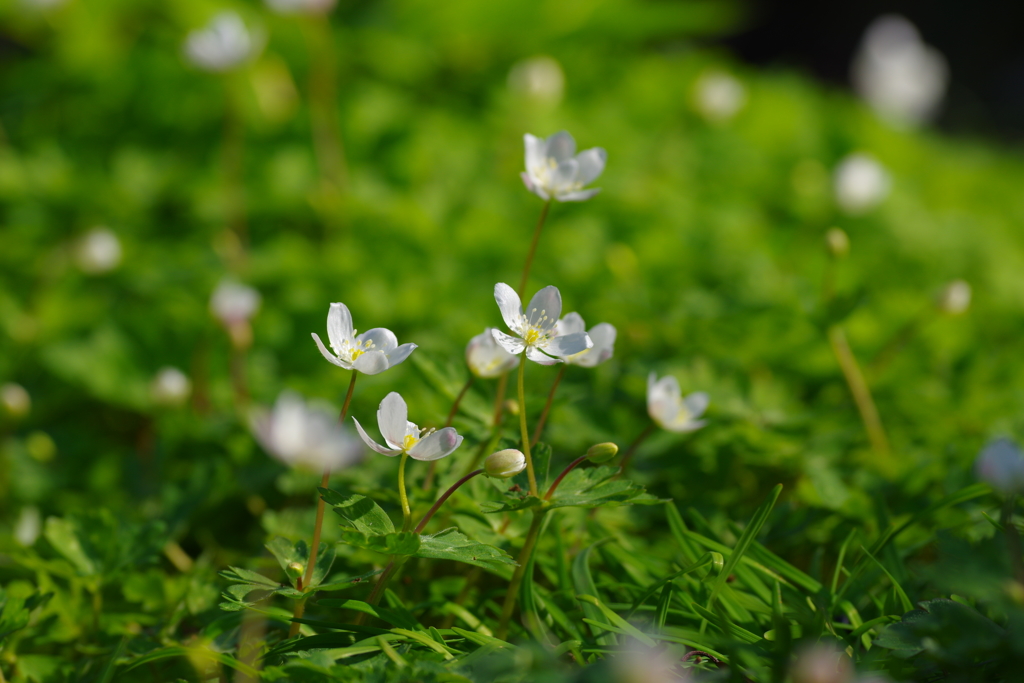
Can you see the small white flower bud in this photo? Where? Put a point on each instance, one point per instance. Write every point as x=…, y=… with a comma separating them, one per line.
x=99, y=251
x=955, y=298
x=294, y=570
x=28, y=526
x=539, y=78
x=719, y=96
x=170, y=387
x=512, y=406
x=505, y=464
x=602, y=452
x=860, y=183
x=15, y=400
x=837, y=242
x=234, y=303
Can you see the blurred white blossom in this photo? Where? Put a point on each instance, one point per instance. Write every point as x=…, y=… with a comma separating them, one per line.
x=301, y=6
x=860, y=183
x=15, y=399
x=553, y=169
x=233, y=302
x=298, y=434
x=43, y=5
x=221, y=45
x=822, y=664
x=486, y=358
x=540, y=79
x=668, y=408
x=1001, y=465
x=955, y=297
x=536, y=331
x=602, y=335
x=371, y=352
x=28, y=526
x=899, y=76
x=98, y=251
x=170, y=387
x=402, y=436
x=718, y=96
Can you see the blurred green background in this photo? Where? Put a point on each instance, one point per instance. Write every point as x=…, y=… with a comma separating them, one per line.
x=705, y=249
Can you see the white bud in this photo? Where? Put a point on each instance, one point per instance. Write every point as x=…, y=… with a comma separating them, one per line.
x=221, y=45
x=28, y=526
x=1001, y=465
x=15, y=399
x=234, y=303
x=719, y=96
x=99, y=251
x=955, y=298
x=860, y=183
x=170, y=387
x=539, y=78
x=505, y=464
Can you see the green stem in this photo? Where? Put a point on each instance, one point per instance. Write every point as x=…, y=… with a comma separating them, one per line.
x=523, y=428
x=406, y=510
x=547, y=406
x=859, y=389
x=533, y=248
x=517, y=576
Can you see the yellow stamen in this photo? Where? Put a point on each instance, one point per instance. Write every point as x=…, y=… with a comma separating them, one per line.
x=409, y=442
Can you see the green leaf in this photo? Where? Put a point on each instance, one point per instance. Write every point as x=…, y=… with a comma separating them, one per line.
x=451, y=544
x=583, y=583
x=287, y=553
x=101, y=545
x=15, y=611
x=904, y=600
x=400, y=543
x=360, y=512
x=749, y=534
x=597, y=486
x=390, y=616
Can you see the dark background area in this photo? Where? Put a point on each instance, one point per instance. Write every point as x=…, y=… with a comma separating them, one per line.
x=981, y=40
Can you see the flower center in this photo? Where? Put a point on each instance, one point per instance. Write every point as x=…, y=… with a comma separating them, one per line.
x=352, y=349
x=409, y=441
x=531, y=336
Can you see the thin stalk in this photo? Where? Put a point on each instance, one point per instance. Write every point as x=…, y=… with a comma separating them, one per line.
x=443, y=498
x=234, y=185
x=432, y=470
x=533, y=248
x=567, y=470
x=859, y=389
x=636, y=444
x=517, y=576
x=406, y=510
x=314, y=549
x=523, y=428
x=547, y=406
x=323, y=113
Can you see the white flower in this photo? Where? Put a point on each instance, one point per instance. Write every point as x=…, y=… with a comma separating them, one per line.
x=899, y=76
x=15, y=399
x=402, y=436
x=552, y=170
x=539, y=78
x=99, y=251
x=371, y=352
x=170, y=387
x=28, y=526
x=602, y=335
x=536, y=330
x=486, y=358
x=1001, y=465
x=301, y=6
x=297, y=434
x=860, y=183
x=668, y=408
x=718, y=96
x=221, y=45
x=955, y=298
x=233, y=303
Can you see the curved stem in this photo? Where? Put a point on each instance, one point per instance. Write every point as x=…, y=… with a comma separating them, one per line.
x=633, y=446
x=533, y=248
x=314, y=549
x=547, y=406
x=406, y=510
x=561, y=476
x=522, y=425
x=443, y=498
x=517, y=576
x=378, y=588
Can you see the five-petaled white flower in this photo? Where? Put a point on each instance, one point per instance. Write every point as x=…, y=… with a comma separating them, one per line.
x=371, y=352
x=668, y=408
x=402, y=436
x=602, y=334
x=297, y=434
x=486, y=358
x=535, y=329
x=553, y=169
x=222, y=45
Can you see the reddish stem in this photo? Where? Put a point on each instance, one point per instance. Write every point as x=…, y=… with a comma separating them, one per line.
x=554, y=484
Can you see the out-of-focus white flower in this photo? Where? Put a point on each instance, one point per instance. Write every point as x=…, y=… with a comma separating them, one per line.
x=15, y=399
x=301, y=6
x=43, y=5
x=638, y=663
x=505, y=464
x=718, y=96
x=602, y=335
x=486, y=358
x=536, y=330
x=28, y=526
x=538, y=78
x=402, y=436
x=822, y=664
x=170, y=387
x=234, y=303
x=860, y=183
x=298, y=434
x=955, y=298
x=899, y=76
x=221, y=45
x=371, y=352
x=99, y=251
x=668, y=408
x=553, y=169
x=1001, y=465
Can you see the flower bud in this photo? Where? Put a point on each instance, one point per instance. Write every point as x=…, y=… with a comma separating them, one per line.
x=170, y=387
x=955, y=298
x=505, y=464
x=99, y=251
x=512, y=407
x=294, y=570
x=15, y=400
x=602, y=452
x=837, y=242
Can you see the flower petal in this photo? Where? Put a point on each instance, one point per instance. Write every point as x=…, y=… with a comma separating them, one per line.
x=544, y=309
x=534, y=187
x=563, y=178
x=401, y=353
x=510, y=306
x=380, y=338
x=538, y=356
x=560, y=146
x=373, y=444
x=568, y=344
x=339, y=326
x=581, y=196
x=686, y=425
x=603, y=335
x=591, y=163
x=328, y=355
x=393, y=418
x=664, y=400
x=696, y=403
x=572, y=322
x=536, y=150
x=371, y=363
x=437, y=445
x=513, y=345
